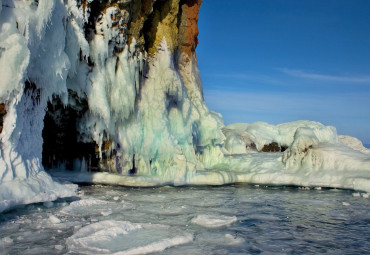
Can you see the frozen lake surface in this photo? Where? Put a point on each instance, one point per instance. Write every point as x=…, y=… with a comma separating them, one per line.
x=234, y=219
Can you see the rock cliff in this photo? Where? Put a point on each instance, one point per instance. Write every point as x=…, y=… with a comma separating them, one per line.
x=103, y=85
x=124, y=39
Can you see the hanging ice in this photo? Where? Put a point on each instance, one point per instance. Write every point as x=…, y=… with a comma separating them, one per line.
x=34, y=66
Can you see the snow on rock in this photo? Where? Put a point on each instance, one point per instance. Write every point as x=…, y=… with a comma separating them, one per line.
x=123, y=237
x=213, y=221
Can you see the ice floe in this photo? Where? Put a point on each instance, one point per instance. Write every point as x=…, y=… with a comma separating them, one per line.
x=122, y=237
x=213, y=221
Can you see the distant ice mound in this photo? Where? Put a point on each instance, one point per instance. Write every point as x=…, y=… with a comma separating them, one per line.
x=306, y=153
x=263, y=137
x=353, y=143
x=123, y=237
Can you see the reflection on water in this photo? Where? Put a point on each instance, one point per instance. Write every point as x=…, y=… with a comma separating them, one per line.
x=282, y=220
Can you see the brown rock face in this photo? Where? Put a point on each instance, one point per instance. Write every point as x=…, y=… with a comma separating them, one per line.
x=148, y=21
x=188, y=29
x=130, y=18
x=139, y=11
x=162, y=23
x=272, y=147
x=176, y=20
x=2, y=114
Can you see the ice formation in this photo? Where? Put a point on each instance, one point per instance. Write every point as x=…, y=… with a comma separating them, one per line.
x=34, y=65
x=146, y=115
x=113, y=86
x=85, y=206
x=124, y=238
x=213, y=221
x=353, y=143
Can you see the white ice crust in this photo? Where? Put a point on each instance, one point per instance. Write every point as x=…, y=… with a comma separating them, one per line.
x=151, y=110
x=125, y=238
x=37, y=188
x=85, y=206
x=213, y=221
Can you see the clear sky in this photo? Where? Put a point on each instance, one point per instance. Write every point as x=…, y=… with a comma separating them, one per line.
x=286, y=60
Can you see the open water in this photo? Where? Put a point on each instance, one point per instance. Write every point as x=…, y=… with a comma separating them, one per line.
x=233, y=219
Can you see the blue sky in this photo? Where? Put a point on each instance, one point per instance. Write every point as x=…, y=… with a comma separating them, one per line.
x=286, y=60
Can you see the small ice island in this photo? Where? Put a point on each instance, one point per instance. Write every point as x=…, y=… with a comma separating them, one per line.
x=109, y=92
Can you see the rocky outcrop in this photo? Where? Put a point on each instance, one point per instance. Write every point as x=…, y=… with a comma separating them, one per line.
x=188, y=28
x=273, y=147
x=176, y=20
x=2, y=115
x=102, y=85
x=132, y=33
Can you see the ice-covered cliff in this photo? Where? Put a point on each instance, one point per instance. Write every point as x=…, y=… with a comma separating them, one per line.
x=112, y=86
x=102, y=85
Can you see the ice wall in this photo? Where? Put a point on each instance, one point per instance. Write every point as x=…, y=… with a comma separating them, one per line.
x=34, y=65
x=118, y=70
x=146, y=112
